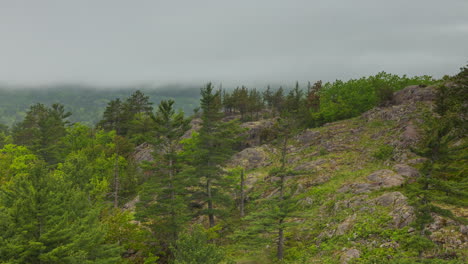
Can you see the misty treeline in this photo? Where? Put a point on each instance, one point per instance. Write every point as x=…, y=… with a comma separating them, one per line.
x=85, y=102
x=71, y=193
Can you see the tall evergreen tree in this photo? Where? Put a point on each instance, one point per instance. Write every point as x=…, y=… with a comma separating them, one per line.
x=113, y=117
x=163, y=200
x=215, y=145
x=41, y=131
x=46, y=220
x=138, y=103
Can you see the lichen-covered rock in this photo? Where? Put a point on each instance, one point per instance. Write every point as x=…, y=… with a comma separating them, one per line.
x=406, y=170
x=377, y=180
x=357, y=188
x=386, y=178
x=409, y=137
x=143, y=152
x=346, y=225
x=310, y=165
x=308, y=137
x=195, y=125
x=414, y=93
x=349, y=254
x=401, y=212
x=251, y=158
x=256, y=132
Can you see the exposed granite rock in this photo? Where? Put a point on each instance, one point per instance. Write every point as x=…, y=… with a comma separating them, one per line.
x=357, y=188
x=349, y=254
x=310, y=165
x=308, y=137
x=353, y=202
x=251, y=158
x=417, y=161
x=448, y=233
x=406, y=170
x=385, y=178
x=255, y=134
x=143, y=152
x=195, y=125
x=377, y=180
x=402, y=213
x=131, y=205
x=346, y=225
x=409, y=137
x=414, y=93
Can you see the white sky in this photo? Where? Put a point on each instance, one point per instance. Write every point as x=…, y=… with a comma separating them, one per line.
x=117, y=42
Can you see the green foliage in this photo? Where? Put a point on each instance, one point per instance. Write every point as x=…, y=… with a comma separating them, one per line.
x=340, y=100
x=46, y=219
x=384, y=152
x=163, y=202
x=194, y=247
x=213, y=146
x=42, y=130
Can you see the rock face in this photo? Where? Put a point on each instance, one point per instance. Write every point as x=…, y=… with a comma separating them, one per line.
x=308, y=137
x=406, y=170
x=349, y=254
x=448, y=233
x=195, y=125
x=385, y=179
x=256, y=132
x=377, y=180
x=402, y=213
x=346, y=225
x=410, y=136
x=143, y=152
x=414, y=93
x=251, y=158
x=311, y=165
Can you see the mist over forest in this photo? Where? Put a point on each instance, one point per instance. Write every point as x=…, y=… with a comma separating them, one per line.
x=234, y=132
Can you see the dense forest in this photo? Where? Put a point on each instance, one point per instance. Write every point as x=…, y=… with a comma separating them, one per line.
x=85, y=102
x=369, y=170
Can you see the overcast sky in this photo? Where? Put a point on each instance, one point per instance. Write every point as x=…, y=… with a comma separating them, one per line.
x=122, y=42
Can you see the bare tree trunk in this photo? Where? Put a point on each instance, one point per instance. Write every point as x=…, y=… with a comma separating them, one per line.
x=280, y=253
x=210, y=204
x=242, y=196
x=171, y=186
x=116, y=181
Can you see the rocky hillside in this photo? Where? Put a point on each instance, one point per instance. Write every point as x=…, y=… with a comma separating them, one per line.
x=350, y=182
x=350, y=179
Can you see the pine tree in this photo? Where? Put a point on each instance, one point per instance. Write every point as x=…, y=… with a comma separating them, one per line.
x=41, y=131
x=113, y=117
x=271, y=214
x=195, y=248
x=138, y=103
x=163, y=201
x=214, y=146
x=445, y=150
x=46, y=220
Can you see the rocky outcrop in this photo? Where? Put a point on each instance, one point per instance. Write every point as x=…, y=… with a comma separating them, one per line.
x=251, y=158
x=349, y=254
x=195, y=125
x=448, y=233
x=406, y=171
x=310, y=165
x=401, y=212
x=143, y=152
x=385, y=179
x=414, y=93
x=377, y=180
x=346, y=225
x=409, y=137
x=257, y=132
